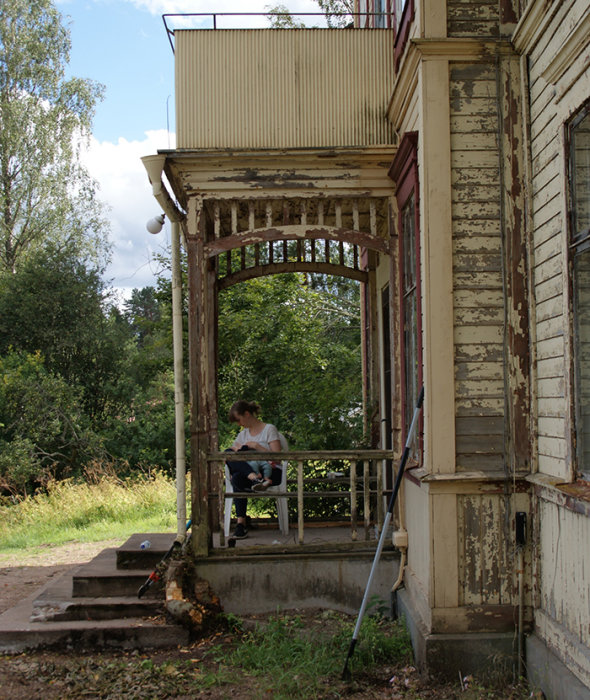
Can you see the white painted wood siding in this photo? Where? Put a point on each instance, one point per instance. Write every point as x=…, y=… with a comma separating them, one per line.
x=550, y=240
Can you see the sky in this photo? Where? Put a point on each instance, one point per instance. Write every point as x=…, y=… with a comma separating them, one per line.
x=123, y=45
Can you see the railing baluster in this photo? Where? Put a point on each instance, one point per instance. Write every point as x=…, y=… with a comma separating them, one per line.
x=216, y=220
x=219, y=469
x=367, y=498
x=300, y=519
x=380, y=499
x=251, y=216
x=353, y=514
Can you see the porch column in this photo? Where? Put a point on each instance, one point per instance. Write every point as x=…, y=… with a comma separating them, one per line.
x=199, y=327
x=438, y=323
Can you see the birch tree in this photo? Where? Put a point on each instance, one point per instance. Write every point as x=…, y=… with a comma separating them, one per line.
x=45, y=120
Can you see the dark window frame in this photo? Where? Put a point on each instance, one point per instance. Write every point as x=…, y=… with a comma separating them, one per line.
x=404, y=172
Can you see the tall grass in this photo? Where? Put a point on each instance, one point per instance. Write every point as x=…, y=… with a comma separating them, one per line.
x=89, y=512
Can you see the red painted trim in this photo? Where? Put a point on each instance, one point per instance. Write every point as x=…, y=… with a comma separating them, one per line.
x=403, y=31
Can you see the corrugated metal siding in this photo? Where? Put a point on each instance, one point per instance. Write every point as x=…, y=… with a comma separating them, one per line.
x=477, y=268
x=283, y=88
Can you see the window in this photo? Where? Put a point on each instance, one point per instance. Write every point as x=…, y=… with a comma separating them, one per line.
x=409, y=310
x=379, y=19
x=579, y=193
x=404, y=171
x=387, y=379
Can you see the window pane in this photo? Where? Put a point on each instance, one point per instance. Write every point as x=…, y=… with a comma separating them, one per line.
x=379, y=6
x=409, y=245
x=410, y=308
x=582, y=354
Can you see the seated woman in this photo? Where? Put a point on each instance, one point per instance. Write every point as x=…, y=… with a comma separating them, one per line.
x=245, y=476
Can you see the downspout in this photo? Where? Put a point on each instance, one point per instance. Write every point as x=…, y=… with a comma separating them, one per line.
x=155, y=165
x=178, y=384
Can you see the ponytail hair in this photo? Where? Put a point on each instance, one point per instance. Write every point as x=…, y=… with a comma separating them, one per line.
x=240, y=407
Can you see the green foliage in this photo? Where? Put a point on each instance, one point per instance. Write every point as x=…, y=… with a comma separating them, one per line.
x=56, y=306
x=43, y=431
x=149, y=319
x=292, y=662
x=143, y=435
x=338, y=14
x=296, y=351
x=45, y=193
x=281, y=18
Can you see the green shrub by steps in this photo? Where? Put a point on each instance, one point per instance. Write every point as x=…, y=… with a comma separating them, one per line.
x=71, y=510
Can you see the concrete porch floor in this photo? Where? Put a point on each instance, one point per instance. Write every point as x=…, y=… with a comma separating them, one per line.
x=263, y=533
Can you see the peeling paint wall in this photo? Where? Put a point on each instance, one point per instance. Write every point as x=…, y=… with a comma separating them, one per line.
x=562, y=617
x=473, y=18
x=477, y=267
x=549, y=237
x=554, y=41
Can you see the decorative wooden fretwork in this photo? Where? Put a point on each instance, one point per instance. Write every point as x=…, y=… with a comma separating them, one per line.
x=253, y=237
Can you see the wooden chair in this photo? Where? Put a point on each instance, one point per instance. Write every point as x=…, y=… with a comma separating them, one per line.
x=282, y=502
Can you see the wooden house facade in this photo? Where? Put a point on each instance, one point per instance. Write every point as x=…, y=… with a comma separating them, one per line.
x=448, y=144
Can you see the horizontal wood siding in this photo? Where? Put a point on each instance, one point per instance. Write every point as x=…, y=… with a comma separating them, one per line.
x=563, y=523
x=473, y=18
x=549, y=237
x=477, y=269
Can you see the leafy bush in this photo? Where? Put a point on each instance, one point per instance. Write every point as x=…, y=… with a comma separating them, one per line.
x=43, y=431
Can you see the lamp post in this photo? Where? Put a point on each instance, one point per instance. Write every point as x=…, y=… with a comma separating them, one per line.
x=155, y=226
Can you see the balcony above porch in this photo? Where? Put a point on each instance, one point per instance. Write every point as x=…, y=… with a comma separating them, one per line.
x=283, y=88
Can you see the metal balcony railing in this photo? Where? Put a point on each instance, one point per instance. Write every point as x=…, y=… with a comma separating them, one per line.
x=263, y=20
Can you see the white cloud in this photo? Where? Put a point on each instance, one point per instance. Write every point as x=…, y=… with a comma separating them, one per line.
x=125, y=188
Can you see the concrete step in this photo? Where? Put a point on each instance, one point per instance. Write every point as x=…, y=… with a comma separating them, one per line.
x=47, y=608
x=57, y=602
x=131, y=556
x=101, y=578
x=23, y=626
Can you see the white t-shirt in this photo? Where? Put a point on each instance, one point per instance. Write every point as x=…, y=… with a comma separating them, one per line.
x=263, y=438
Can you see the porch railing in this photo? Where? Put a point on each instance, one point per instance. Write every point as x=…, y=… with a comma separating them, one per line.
x=365, y=480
